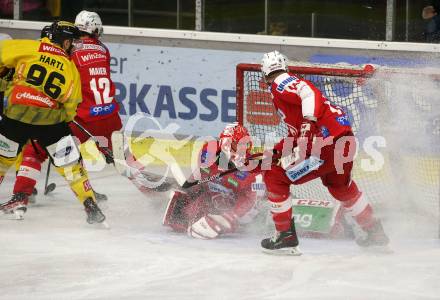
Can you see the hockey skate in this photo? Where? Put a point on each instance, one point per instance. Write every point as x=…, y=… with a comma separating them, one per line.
x=16, y=206
x=33, y=196
x=282, y=243
x=94, y=213
x=100, y=197
x=374, y=238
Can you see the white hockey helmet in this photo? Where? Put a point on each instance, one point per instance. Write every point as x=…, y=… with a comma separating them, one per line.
x=273, y=61
x=90, y=22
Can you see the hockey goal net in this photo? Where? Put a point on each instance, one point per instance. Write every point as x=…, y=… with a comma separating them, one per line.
x=395, y=116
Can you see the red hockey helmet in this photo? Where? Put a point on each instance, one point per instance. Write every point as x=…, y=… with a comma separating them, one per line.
x=236, y=140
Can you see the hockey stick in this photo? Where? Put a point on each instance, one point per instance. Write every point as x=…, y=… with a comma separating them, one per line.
x=48, y=187
x=257, y=156
x=110, y=159
x=107, y=152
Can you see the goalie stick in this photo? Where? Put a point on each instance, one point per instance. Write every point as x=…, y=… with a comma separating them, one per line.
x=256, y=156
x=110, y=158
x=106, y=151
x=125, y=168
x=179, y=181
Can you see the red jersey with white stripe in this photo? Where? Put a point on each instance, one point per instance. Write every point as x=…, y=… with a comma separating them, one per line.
x=235, y=192
x=92, y=59
x=294, y=98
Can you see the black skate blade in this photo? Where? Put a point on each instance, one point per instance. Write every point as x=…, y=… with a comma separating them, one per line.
x=101, y=225
x=289, y=251
x=104, y=225
x=50, y=188
x=17, y=215
x=100, y=197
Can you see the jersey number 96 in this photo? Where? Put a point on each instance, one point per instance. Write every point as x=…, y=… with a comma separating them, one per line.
x=36, y=76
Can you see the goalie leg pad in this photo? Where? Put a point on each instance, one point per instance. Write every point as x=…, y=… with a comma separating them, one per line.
x=204, y=229
x=8, y=148
x=64, y=152
x=211, y=226
x=174, y=216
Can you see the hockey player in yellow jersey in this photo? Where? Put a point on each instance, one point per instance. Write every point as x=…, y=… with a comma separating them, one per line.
x=41, y=100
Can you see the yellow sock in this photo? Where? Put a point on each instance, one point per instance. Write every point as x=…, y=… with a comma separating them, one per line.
x=78, y=181
x=5, y=164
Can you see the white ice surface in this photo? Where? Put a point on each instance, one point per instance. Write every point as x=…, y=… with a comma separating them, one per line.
x=54, y=254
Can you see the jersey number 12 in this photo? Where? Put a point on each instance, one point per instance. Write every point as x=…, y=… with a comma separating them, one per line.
x=101, y=90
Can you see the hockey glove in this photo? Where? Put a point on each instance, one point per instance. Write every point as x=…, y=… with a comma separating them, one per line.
x=108, y=159
x=211, y=226
x=307, y=133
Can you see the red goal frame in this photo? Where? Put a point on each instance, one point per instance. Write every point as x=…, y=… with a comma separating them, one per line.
x=343, y=71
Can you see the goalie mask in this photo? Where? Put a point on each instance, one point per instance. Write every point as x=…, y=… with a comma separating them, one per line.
x=272, y=62
x=236, y=143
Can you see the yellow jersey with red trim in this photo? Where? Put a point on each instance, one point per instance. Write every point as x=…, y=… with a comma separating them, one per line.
x=46, y=87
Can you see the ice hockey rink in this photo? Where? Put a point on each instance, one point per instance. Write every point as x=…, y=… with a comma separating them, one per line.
x=54, y=254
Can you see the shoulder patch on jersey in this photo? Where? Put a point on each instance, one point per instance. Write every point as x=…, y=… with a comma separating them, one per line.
x=82, y=46
x=283, y=80
x=325, y=132
x=241, y=175
x=233, y=181
x=258, y=186
x=218, y=188
x=44, y=47
x=204, y=156
x=343, y=120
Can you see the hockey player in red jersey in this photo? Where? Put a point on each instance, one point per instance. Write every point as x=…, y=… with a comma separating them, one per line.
x=217, y=207
x=320, y=145
x=98, y=112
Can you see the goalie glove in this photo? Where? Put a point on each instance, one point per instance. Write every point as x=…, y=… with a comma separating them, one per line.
x=211, y=226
